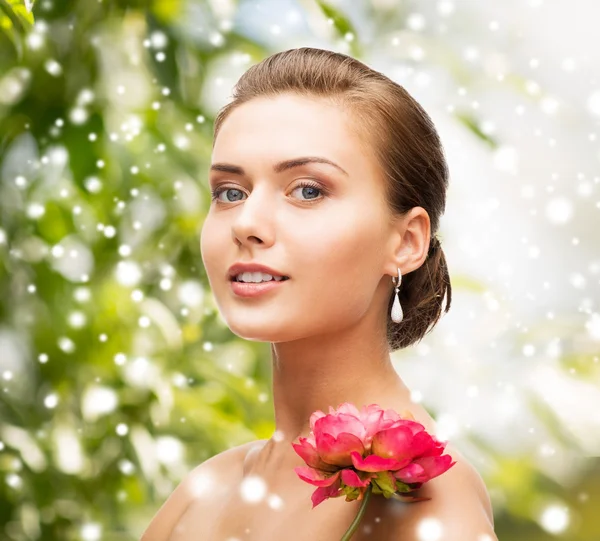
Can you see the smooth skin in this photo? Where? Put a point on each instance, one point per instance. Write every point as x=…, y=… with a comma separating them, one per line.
x=340, y=246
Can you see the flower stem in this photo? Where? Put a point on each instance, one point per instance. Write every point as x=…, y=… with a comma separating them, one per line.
x=359, y=515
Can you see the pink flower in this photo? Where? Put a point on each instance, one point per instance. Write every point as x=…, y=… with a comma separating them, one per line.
x=348, y=450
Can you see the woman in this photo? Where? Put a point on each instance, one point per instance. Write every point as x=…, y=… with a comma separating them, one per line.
x=328, y=183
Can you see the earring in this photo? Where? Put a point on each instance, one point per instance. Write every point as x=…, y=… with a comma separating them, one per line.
x=397, y=314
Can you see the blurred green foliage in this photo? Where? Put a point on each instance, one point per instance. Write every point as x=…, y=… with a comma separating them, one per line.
x=118, y=374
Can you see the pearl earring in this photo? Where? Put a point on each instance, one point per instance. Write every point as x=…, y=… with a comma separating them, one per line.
x=397, y=314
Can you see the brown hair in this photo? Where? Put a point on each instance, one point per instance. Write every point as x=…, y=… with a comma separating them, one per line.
x=405, y=143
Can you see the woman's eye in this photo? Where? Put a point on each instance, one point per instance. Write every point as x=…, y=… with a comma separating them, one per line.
x=309, y=190
x=218, y=191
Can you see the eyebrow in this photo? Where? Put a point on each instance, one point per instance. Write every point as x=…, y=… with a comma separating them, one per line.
x=279, y=167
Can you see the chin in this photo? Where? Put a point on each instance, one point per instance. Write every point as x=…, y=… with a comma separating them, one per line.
x=263, y=331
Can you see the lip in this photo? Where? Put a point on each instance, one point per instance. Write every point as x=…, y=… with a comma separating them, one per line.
x=238, y=268
x=245, y=289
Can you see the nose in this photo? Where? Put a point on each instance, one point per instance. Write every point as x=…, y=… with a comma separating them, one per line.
x=252, y=222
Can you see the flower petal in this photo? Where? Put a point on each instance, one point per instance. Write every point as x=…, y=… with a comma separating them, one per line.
x=394, y=442
x=349, y=409
x=315, y=477
x=337, y=451
x=436, y=449
x=391, y=415
x=323, y=493
x=372, y=418
x=413, y=473
x=338, y=424
x=352, y=479
x=375, y=463
x=422, y=443
x=306, y=450
x=424, y=469
x=314, y=418
x=436, y=465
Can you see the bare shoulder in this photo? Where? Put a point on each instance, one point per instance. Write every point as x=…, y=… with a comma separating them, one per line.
x=469, y=480
x=205, y=480
x=459, y=509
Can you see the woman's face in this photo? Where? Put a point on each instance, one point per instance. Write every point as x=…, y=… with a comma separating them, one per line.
x=329, y=238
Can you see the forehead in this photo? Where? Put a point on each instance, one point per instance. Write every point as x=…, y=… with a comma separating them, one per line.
x=285, y=126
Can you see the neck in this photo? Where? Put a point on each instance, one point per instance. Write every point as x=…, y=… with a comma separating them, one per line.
x=343, y=364
x=322, y=371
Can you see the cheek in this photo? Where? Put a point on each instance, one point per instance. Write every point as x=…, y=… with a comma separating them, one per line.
x=343, y=242
x=212, y=249
x=341, y=262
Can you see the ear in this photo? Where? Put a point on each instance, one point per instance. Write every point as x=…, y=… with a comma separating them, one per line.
x=410, y=236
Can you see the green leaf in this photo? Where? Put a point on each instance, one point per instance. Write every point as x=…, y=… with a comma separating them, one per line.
x=15, y=22
x=167, y=11
x=472, y=124
x=341, y=23
x=402, y=487
x=351, y=492
x=386, y=482
x=20, y=13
